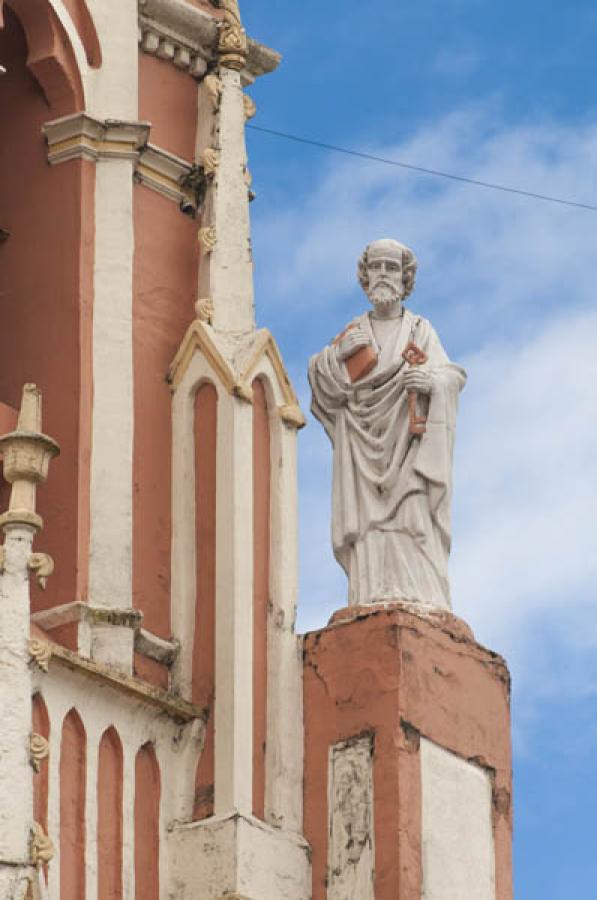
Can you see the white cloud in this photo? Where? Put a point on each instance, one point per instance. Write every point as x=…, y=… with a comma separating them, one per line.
x=509, y=282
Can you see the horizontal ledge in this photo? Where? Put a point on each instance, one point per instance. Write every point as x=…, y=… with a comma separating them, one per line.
x=173, y=706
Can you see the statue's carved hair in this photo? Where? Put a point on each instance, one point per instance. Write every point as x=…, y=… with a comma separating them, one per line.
x=409, y=267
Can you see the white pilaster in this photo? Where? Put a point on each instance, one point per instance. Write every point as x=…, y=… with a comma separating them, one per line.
x=112, y=434
x=234, y=608
x=284, y=751
x=16, y=783
x=113, y=88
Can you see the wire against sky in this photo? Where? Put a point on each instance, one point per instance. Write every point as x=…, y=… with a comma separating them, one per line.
x=422, y=169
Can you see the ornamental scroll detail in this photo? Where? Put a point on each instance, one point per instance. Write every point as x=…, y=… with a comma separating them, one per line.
x=233, y=44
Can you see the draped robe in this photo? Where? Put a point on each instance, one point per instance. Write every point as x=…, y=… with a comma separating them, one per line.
x=391, y=529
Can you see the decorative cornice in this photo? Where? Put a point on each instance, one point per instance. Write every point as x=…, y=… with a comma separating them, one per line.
x=188, y=37
x=168, y=175
x=141, y=691
x=84, y=612
x=81, y=136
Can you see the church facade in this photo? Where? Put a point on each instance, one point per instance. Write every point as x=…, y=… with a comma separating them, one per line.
x=166, y=734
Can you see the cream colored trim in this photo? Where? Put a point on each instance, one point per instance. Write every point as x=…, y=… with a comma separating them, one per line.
x=175, y=31
x=201, y=338
x=81, y=136
x=265, y=345
x=165, y=173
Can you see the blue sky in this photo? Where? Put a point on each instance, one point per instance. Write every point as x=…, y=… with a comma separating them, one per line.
x=502, y=92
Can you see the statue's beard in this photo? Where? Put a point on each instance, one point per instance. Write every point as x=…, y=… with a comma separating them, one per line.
x=385, y=295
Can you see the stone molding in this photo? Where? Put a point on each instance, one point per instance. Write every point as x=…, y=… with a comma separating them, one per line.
x=188, y=37
x=167, y=174
x=84, y=612
x=156, y=648
x=175, y=707
x=234, y=365
x=82, y=136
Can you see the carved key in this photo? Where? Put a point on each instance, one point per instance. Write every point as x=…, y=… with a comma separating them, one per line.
x=414, y=356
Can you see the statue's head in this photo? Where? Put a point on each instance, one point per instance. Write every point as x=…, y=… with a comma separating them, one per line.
x=387, y=272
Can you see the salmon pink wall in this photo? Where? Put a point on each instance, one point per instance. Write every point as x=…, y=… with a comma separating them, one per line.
x=83, y=21
x=50, y=58
x=165, y=287
x=204, y=646
x=73, y=774
x=147, y=825
x=168, y=99
x=261, y=562
x=46, y=271
x=109, y=817
x=8, y=422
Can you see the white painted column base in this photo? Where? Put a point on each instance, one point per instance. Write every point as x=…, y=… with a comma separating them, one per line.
x=238, y=855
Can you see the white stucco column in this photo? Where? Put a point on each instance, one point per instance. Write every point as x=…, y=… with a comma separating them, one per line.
x=234, y=608
x=112, y=435
x=284, y=751
x=112, y=89
x=16, y=781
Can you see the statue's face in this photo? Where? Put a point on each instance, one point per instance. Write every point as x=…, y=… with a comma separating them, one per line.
x=386, y=282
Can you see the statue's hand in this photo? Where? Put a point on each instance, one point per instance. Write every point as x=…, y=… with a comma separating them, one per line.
x=419, y=379
x=352, y=341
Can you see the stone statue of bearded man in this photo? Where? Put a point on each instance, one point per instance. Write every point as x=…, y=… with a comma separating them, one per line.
x=391, y=421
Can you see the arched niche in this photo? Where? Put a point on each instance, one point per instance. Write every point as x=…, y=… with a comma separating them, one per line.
x=262, y=403
x=109, y=816
x=51, y=58
x=204, y=646
x=147, y=824
x=40, y=725
x=73, y=792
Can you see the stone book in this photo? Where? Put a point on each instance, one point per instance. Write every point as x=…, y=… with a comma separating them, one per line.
x=361, y=363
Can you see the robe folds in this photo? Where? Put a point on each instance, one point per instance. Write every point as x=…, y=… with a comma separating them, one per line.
x=391, y=493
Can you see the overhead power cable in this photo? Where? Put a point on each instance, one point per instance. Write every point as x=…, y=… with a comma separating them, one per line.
x=422, y=170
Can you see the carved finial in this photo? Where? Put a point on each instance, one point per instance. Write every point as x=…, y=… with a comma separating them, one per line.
x=210, y=160
x=233, y=46
x=40, y=653
x=26, y=454
x=41, y=847
x=39, y=749
x=208, y=238
x=205, y=310
x=250, y=107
